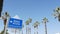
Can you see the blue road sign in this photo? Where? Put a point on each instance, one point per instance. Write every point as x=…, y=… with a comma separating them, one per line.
x=15, y=23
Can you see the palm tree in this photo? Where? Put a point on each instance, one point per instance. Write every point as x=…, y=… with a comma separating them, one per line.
x=44, y=21
x=57, y=13
x=4, y=17
x=36, y=24
x=27, y=23
x=22, y=28
x=3, y=32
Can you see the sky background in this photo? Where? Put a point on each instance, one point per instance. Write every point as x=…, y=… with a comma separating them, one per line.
x=35, y=9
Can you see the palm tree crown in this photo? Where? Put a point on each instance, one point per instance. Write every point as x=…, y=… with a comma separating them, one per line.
x=45, y=20
x=57, y=13
x=28, y=21
x=36, y=24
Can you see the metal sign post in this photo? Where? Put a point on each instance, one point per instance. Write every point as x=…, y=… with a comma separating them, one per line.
x=15, y=31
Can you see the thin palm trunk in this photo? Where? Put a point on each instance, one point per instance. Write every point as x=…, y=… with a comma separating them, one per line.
x=5, y=21
x=22, y=31
x=35, y=30
x=26, y=30
x=4, y=27
x=45, y=28
x=30, y=30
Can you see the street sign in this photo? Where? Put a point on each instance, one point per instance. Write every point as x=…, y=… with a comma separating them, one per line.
x=15, y=23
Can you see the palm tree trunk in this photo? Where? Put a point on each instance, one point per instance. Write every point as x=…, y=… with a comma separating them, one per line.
x=36, y=32
x=22, y=30
x=37, y=29
x=4, y=27
x=26, y=30
x=45, y=29
x=30, y=30
x=5, y=21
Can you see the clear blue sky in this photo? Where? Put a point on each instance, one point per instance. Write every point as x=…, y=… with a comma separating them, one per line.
x=35, y=9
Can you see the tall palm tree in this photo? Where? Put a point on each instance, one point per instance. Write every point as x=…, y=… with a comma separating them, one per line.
x=27, y=23
x=44, y=21
x=57, y=13
x=22, y=28
x=4, y=17
x=36, y=24
x=3, y=32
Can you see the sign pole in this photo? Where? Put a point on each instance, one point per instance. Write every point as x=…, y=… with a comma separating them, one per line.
x=15, y=31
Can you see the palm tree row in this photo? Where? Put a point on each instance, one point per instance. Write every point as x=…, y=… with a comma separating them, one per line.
x=45, y=20
x=36, y=24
